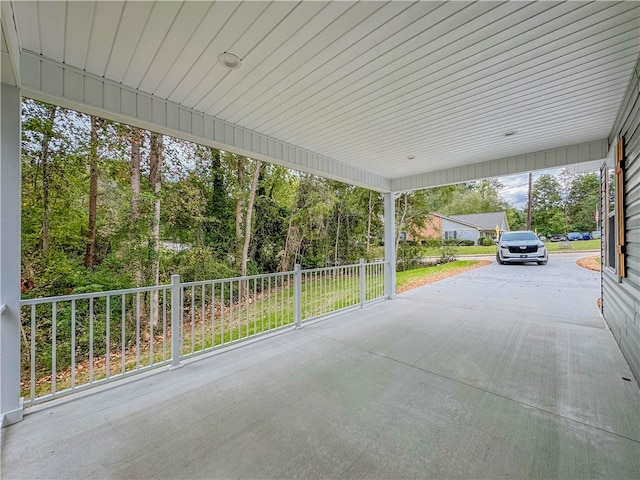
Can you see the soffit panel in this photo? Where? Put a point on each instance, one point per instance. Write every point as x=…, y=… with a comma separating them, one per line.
x=76, y=51
x=240, y=36
x=447, y=91
x=127, y=30
x=409, y=55
x=275, y=74
x=366, y=83
x=450, y=87
x=105, y=22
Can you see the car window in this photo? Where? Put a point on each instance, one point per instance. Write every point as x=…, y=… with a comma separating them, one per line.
x=517, y=236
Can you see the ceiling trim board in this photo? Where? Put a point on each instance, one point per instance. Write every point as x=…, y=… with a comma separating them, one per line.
x=542, y=160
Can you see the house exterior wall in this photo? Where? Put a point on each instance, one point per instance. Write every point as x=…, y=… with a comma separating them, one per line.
x=621, y=295
x=437, y=227
x=464, y=232
x=432, y=227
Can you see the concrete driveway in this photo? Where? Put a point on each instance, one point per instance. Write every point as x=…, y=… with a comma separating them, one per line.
x=501, y=372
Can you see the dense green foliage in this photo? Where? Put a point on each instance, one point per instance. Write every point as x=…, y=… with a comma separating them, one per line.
x=566, y=203
x=200, y=198
x=204, y=193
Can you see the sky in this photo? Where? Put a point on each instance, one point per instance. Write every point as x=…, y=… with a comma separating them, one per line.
x=516, y=187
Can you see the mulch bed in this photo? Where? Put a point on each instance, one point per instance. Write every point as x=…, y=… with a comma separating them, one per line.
x=591, y=263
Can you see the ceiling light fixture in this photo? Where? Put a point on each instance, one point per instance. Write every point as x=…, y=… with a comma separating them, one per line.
x=229, y=60
x=510, y=133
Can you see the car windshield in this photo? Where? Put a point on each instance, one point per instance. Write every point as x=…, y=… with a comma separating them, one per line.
x=517, y=236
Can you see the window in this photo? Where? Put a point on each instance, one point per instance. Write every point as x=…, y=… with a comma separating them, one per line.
x=450, y=235
x=610, y=209
x=613, y=207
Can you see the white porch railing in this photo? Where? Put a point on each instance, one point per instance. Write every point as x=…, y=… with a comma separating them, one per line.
x=74, y=342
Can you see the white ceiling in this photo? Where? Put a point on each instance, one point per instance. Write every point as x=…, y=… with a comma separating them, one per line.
x=369, y=84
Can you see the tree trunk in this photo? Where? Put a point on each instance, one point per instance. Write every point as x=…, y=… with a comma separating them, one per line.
x=239, y=204
x=218, y=233
x=134, y=179
x=89, y=259
x=46, y=179
x=155, y=178
x=287, y=246
x=335, y=247
x=247, y=228
x=292, y=245
x=402, y=220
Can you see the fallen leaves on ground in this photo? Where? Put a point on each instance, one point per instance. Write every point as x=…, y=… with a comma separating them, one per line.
x=441, y=276
x=591, y=263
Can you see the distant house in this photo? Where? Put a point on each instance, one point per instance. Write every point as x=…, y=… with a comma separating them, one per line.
x=464, y=227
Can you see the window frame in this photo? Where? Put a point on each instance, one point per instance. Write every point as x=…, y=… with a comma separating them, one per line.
x=613, y=212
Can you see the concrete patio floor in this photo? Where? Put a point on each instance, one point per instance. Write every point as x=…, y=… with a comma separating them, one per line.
x=501, y=372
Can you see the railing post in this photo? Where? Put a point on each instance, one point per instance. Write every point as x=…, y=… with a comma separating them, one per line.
x=176, y=323
x=363, y=284
x=297, y=295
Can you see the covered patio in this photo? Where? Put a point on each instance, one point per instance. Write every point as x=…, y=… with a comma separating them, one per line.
x=497, y=373
x=518, y=379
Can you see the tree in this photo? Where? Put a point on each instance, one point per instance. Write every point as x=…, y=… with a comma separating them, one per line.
x=248, y=225
x=516, y=218
x=241, y=162
x=412, y=209
x=272, y=209
x=582, y=202
x=155, y=178
x=89, y=258
x=547, y=206
x=217, y=210
x=308, y=226
x=475, y=197
x=136, y=137
x=47, y=130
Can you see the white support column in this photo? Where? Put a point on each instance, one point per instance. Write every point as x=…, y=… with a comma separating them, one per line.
x=10, y=182
x=389, y=245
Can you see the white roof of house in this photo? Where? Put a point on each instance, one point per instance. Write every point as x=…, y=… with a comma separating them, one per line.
x=484, y=221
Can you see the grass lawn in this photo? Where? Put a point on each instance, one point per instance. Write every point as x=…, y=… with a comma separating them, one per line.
x=578, y=245
x=410, y=276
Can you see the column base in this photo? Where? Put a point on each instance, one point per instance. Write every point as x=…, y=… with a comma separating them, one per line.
x=14, y=416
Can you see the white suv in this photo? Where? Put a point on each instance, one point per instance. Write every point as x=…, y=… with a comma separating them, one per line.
x=521, y=247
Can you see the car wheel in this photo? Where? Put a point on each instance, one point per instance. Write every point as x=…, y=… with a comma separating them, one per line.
x=542, y=263
x=498, y=261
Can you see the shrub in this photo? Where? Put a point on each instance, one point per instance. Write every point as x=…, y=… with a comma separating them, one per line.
x=461, y=242
x=408, y=256
x=431, y=242
x=486, y=242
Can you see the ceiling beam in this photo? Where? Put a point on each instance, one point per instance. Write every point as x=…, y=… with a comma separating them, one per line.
x=69, y=87
x=542, y=160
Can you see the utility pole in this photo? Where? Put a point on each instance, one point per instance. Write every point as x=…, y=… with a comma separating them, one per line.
x=529, y=203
